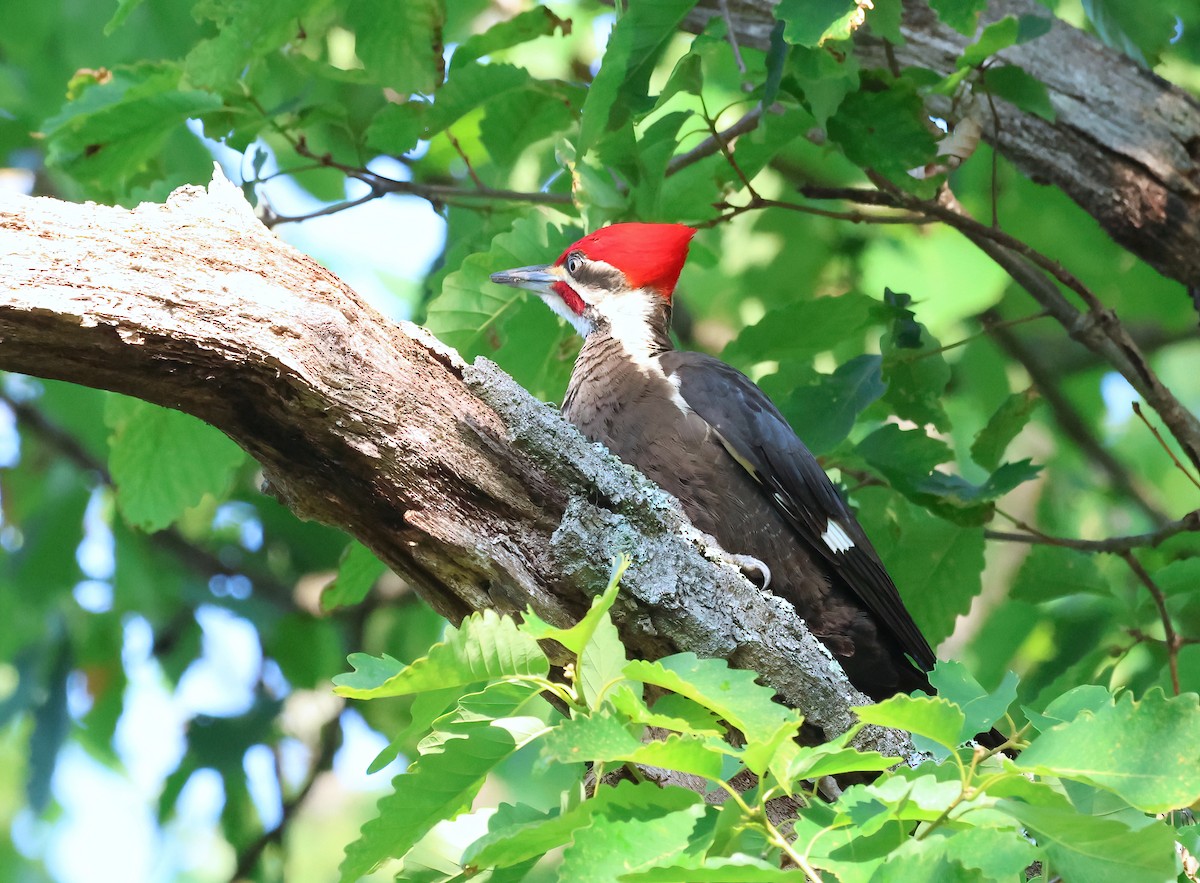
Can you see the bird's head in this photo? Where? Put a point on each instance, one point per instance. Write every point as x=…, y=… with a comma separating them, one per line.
x=617, y=277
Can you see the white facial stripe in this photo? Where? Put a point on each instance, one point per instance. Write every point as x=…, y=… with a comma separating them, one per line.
x=836, y=538
x=582, y=324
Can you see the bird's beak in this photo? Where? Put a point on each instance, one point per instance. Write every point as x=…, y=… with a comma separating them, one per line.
x=538, y=278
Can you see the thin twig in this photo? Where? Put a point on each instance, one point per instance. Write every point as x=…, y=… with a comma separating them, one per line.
x=462, y=154
x=1137, y=409
x=327, y=744
x=1113, y=545
x=1172, y=639
x=731, y=35
x=1048, y=384
x=713, y=143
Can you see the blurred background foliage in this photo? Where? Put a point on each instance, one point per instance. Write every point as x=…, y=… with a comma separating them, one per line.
x=170, y=632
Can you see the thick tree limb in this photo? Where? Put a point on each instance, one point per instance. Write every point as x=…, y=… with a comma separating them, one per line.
x=451, y=473
x=1125, y=145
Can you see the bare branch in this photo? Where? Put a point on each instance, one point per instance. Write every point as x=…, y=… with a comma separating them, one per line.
x=452, y=474
x=1190, y=523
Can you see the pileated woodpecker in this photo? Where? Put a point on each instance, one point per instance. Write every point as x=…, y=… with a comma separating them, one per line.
x=706, y=434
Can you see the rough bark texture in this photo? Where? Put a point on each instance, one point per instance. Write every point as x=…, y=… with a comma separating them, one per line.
x=1125, y=145
x=453, y=475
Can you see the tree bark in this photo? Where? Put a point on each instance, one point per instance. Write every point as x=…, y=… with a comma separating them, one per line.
x=451, y=473
x=1125, y=144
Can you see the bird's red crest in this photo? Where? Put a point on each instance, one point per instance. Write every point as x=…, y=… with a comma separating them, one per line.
x=650, y=255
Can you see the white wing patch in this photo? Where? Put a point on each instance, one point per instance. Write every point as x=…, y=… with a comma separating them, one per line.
x=836, y=538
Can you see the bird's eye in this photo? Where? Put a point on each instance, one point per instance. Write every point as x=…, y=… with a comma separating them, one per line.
x=574, y=262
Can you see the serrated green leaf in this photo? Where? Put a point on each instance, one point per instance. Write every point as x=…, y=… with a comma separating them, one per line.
x=114, y=129
x=831, y=406
x=962, y=15
x=509, y=32
x=521, y=841
x=884, y=130
x=824, y=79
x=736, y=869
x=670, y=712
x=436, y=787
x=620, y=87
x=397, y=128
x=601, y=736
x=936, y=719
x=916, y=374
x=980, y=708
x=1146, y=751
x=1068, y=706
x=801, y=330
x=358, y=571
x=164, y=462
x=614, y=846
x=483, y=647
x=1002, y=427
x=833, y=758
x=478, y=317
x=1024, y=90
x=399, y=44
x=996, y=36
x=814, y=22
x=986, y=853
x=1055, y=572
x=1097, y=850
x=733, y=694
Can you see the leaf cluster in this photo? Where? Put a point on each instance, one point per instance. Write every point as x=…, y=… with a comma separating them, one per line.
x=1080, y=800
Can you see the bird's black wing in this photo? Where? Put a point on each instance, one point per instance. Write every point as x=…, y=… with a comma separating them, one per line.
x=757, y=436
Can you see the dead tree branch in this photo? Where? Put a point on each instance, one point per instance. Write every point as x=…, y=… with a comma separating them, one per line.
x=452, y=474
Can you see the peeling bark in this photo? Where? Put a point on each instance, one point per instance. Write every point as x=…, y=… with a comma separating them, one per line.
x=1125, y=145
x=452, y=474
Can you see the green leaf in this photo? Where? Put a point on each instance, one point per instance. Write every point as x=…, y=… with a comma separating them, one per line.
x=983, y=853
x=996, y=36
x=916, y=374
x=1050, y=572
x=981, y=709
x=833, y=758
x=1140, y=30
x=484, y=647
x=124, y=8
x=615, y=846
x=164, y=462
x=478, y=317
x=1024, y=90
x=962, y=15
x=732, y=693
x=399, y=44
x=831, y=406
x=1097, y=850
x=824, y=78
x=519, y=842
x=114, y=129
x=1068, y=706
x=436, y=787
x=884, y=130
x=397, y=128
x=509, y=32
x=619, y=90
x=934, y=718
x=1002, y=427
x=670, y=712
x=813, y=22
x=358, y=571
x=736, y=869
x=1146, y=751
x=827, y=321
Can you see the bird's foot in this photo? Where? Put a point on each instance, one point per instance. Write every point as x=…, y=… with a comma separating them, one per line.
x=753, y=569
